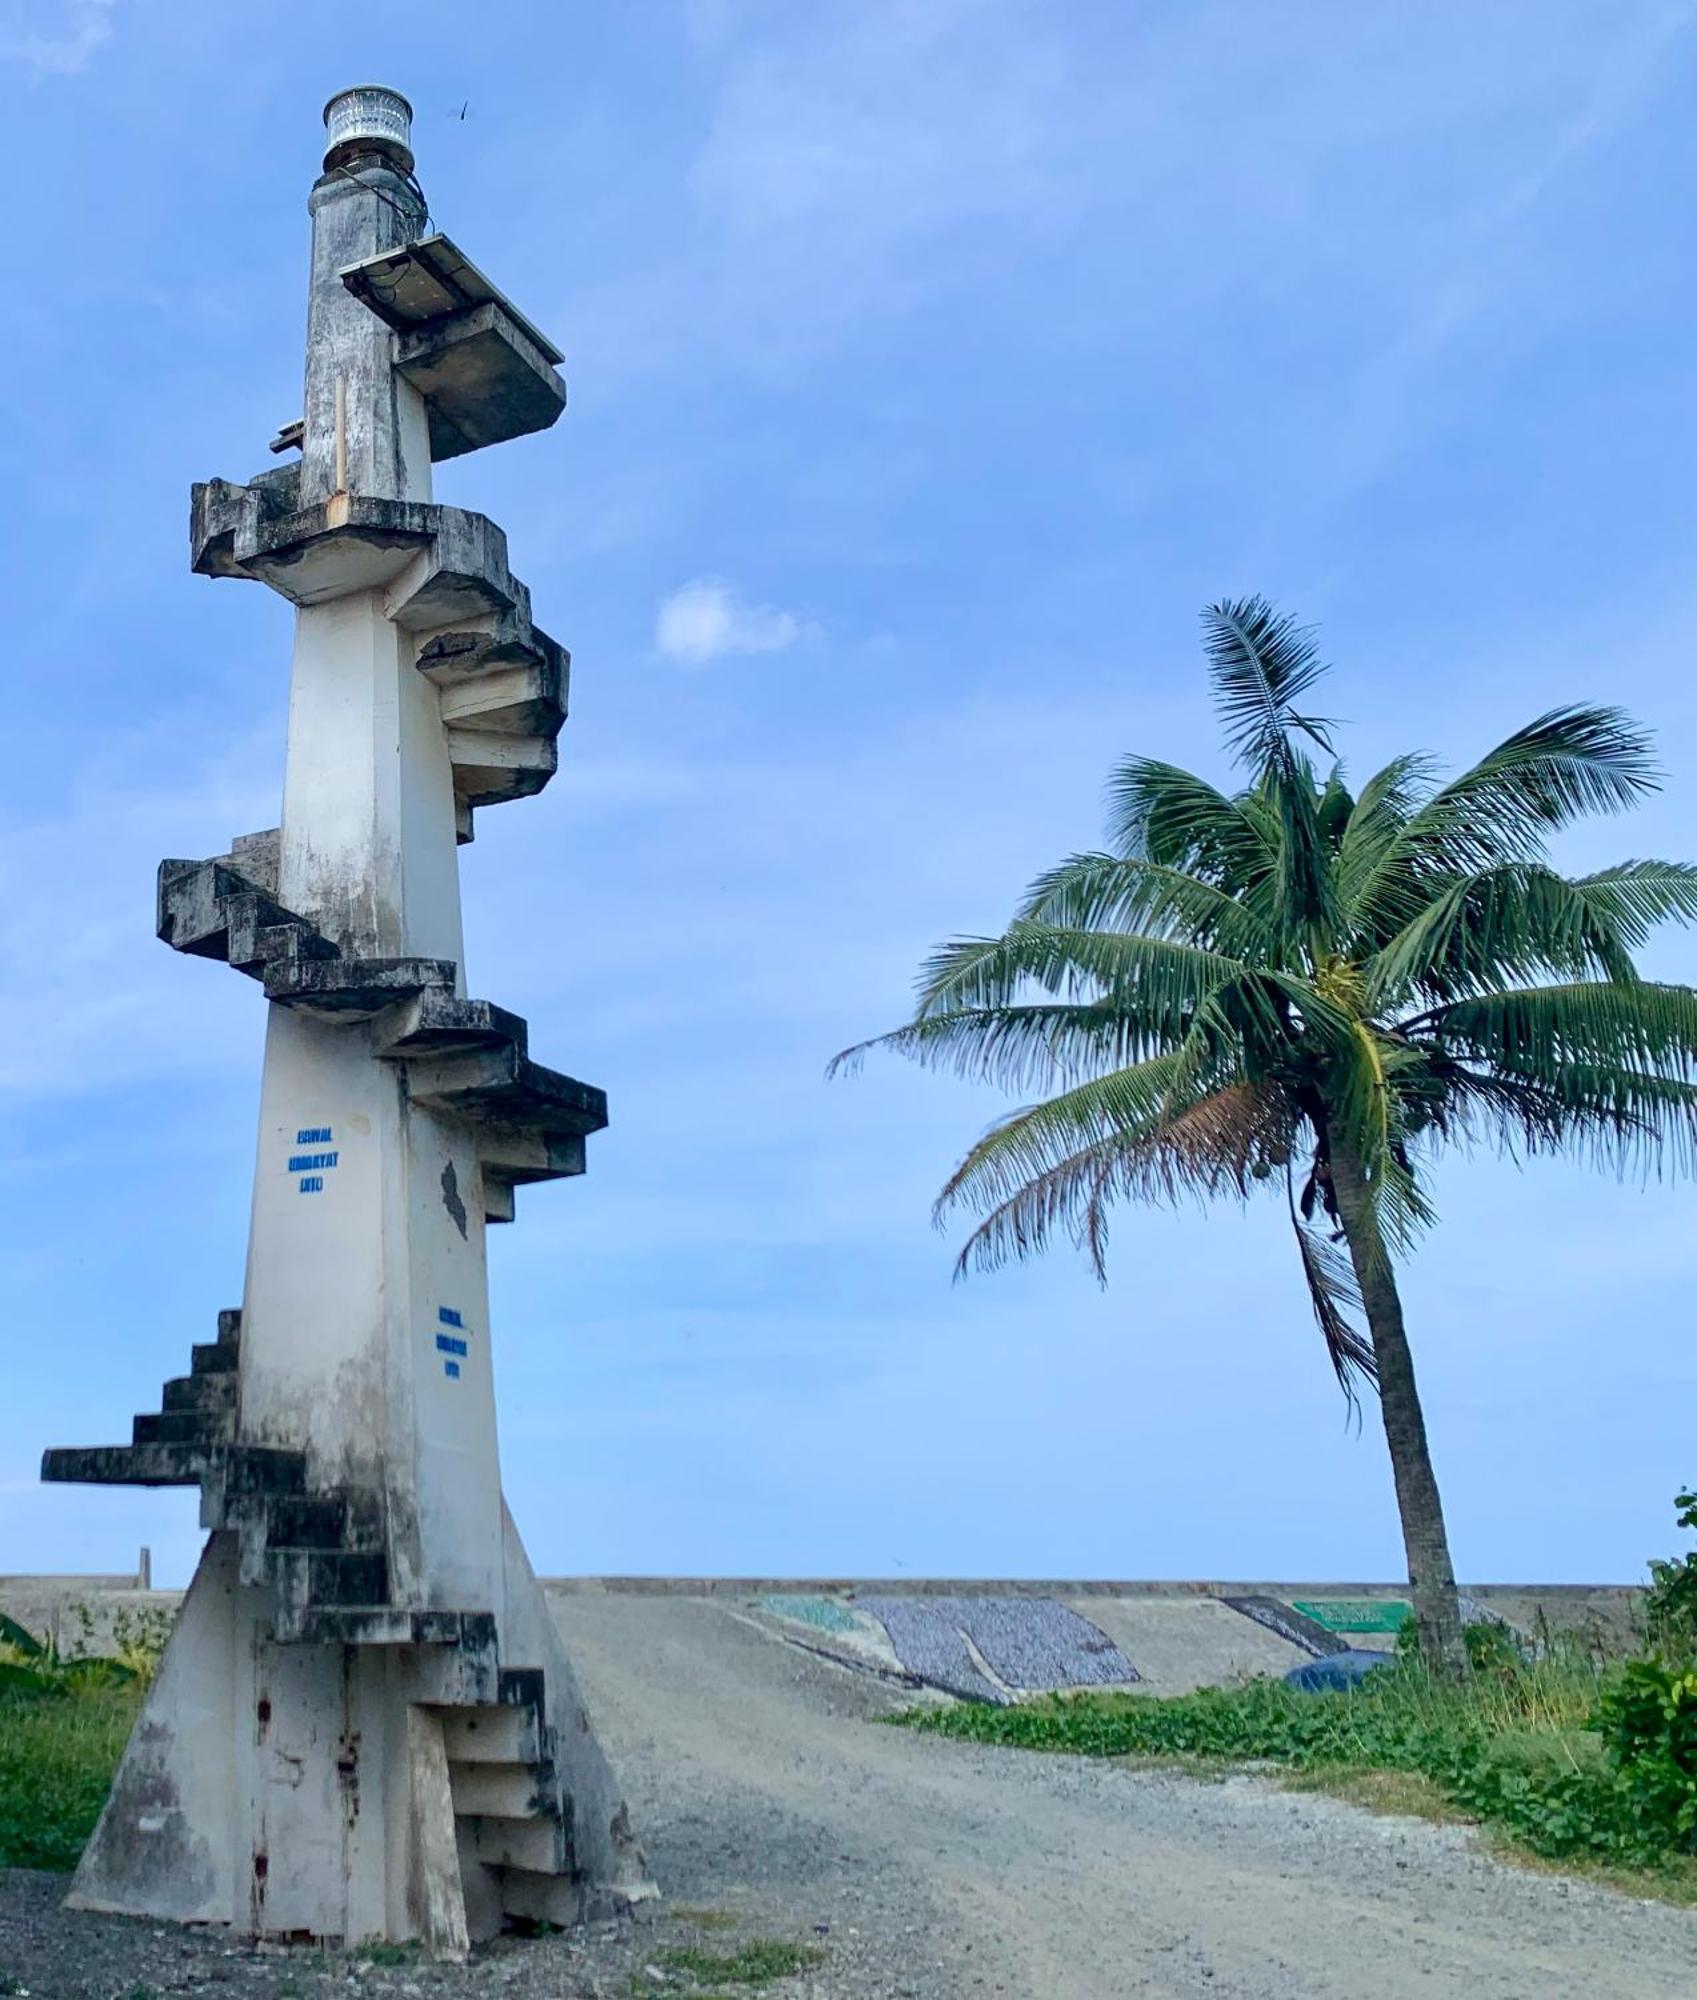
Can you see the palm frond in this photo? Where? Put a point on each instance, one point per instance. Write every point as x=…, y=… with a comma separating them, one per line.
x=1156, y=982
x=1106, y=891
x=1336, y=1299
x=1386, y=802
x=1569, y=762
x=1015, y=1047
x=1537, y=1032
x=1162, y=813
x=1620, y=1121
x=1635, y=896
x=1287, y=806
x=1126, y=1105
x=1517, y=922
x=1215, y=1145
x=1261, y=663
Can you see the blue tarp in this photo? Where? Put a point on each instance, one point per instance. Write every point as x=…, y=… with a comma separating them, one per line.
x=1336, y=1670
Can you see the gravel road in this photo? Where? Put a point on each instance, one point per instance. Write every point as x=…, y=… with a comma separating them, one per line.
x=769, y=1799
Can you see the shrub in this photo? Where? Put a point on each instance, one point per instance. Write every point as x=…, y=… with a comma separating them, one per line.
x=1670, y=1603
x=64, y=1720
x=58, y=1750
x=1647, y=1717
x=1569, y=1761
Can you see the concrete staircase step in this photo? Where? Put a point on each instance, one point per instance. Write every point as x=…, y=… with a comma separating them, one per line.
x=316, y=1578
x=439, y=1022
x=185, y=1427
x=502, y=1086
x=214, y=1357
x=307, y=1521
x=503, y=1791
x=525, y=1687
x=234, y=1470
x=388, y=1625
x=202, y=1391
x=353, y=989
x=542, y=1899
x=541, y=1846
x=503, y=1733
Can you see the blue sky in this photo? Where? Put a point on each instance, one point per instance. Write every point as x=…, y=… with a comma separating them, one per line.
x=931, y=364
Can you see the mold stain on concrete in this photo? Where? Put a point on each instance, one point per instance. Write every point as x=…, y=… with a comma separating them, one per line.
x=144, y=1840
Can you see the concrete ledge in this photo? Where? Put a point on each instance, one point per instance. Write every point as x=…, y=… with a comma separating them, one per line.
x=916, y=1586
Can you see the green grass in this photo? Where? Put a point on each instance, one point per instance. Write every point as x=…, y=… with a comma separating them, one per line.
x=58, y=1751
x=378, y=1951
x=1515, y=1750
x=757, y=1963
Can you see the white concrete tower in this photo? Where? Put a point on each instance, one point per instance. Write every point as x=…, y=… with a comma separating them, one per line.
x=364, y=1725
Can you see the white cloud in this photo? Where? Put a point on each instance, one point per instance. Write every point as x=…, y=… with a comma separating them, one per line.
x=705, y=619
x=54, y=37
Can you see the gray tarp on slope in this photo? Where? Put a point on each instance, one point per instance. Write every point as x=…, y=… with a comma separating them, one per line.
x=1031, y=1643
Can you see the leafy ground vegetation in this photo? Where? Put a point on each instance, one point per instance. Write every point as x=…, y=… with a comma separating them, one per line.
x=64, y=1720
x=1574, y=1757
x=710, y=1975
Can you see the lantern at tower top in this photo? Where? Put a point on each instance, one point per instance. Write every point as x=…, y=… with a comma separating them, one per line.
x=368, y=119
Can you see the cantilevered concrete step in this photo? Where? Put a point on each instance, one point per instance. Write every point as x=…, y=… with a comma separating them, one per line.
x=437, y=1022
x=499, y=1733
x=485, y=373
x=540, y=1844
x=203, y=1427
x=209, y=908
x=236, y=1468
x=461, y=573
x=503, y=1086
x=493, y=765
x=354, y=988
x=188, y=1442
x=500, y=669
x=469, y=1059
x=512, y=1813
x=560, y=1900
x=202, y=1391
x=517, y=1792
x=309, y=555
x=501, y=686
x=322, y=1579
x=514, y=1156
x=385, y=1625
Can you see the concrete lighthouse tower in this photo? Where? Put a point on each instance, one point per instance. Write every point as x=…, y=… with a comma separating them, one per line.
x=364, y=1725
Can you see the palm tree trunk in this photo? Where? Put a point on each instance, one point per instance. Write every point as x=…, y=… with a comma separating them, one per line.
x=1431, y=1576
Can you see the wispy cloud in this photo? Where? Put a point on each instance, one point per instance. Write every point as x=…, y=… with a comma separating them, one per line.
x=705, y=620
x=54, y=37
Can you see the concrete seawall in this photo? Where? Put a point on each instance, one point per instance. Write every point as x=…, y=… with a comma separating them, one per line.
x=994, y=1639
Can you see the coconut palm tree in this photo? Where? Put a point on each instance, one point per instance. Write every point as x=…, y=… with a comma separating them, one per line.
x=1314, y=989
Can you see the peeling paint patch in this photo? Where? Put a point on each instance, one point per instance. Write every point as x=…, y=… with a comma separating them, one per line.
x=451, y=1197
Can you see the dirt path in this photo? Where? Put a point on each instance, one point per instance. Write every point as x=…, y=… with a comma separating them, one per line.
x=760, y=1783
x=768, y=1795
